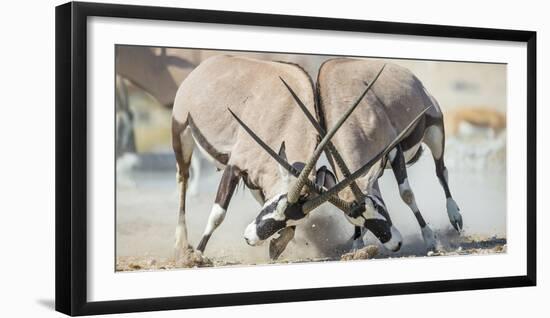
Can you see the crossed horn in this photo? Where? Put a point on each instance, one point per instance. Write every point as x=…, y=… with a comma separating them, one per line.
x=357, y=193
x=302, y=176
x=317, y=201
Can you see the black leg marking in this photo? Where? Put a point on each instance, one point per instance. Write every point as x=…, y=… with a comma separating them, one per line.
x=441, y=172
x=204, y=240
x=400, y=171
x=226, y=188
x=435, y=139
x=398, y=165
x=228, y=183
x=357, y=233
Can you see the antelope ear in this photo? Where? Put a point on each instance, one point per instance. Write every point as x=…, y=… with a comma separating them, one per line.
x=282, y=151
x=283, y=173
x=325, y=178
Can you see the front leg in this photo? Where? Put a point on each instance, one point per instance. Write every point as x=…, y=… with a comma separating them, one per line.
x=357, y=238
x=226, y=188
x=399, y=168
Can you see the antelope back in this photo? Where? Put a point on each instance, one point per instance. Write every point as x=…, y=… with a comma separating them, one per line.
x=394, y=101
x=253, y=90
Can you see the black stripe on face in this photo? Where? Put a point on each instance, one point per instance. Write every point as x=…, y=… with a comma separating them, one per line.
x=380, y=228
x=266, y=225
x=378, y=205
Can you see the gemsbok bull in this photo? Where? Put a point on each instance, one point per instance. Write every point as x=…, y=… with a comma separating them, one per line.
x=397, y=98
x=254, y=92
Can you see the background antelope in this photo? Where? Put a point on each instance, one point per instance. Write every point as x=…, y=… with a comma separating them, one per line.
x=480, y=118
x=389, y=106
x=158, y=74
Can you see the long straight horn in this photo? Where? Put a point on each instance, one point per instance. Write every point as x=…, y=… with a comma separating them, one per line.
x=331, y=148
x=294, y=191
x=315, y=202
x=337, y=157
x=335, y=200
x=262, y=144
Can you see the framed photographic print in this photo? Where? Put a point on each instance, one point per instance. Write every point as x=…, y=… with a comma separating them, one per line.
x=208, y=158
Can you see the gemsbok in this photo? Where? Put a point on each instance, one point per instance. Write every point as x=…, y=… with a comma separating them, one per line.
x=253, y=91
x=397, y=97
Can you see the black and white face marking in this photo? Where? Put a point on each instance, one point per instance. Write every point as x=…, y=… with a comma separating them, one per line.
x=376, y=219
x=276, y=214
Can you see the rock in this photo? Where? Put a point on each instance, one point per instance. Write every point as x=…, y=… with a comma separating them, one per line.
x=134, y=266
x=193, y=258
x=365, y=253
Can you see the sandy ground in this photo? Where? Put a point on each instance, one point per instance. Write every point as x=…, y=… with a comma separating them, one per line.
x=147, y=215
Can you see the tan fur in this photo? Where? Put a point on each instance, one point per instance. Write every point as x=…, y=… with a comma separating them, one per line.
x=253, y=90
x=477, y=116
x=393, y=102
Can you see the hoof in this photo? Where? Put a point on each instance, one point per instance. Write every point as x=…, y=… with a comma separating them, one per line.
x=429, y=239
x=357, y=244
x=182, y=252
x=190, y=258
x=453, y=211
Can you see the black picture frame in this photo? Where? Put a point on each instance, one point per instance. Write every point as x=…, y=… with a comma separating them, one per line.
x=71, y=157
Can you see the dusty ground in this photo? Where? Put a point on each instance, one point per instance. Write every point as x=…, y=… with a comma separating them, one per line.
x=463, y=246
x=147, y=214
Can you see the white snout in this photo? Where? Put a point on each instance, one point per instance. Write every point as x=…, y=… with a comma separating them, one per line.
x=394, y=244
x=250, y=235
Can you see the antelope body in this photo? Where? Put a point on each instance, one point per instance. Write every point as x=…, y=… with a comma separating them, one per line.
x=393, y=102
x=253, y=91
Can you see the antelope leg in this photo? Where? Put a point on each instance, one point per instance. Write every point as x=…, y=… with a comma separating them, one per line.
x=434, y=138
x=397, y=161
x=357, y=238
x=226, y=188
